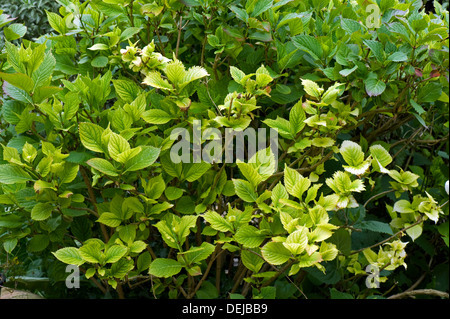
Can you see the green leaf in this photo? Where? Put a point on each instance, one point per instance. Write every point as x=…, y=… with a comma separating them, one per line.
x=117, y=145
x=347, y=72
x=335, y=294
x=171, y=168
x=289, y=18
x=282, y=126
x=155, y=80
x=249, y=236
x=312, y=88
x=44, y=71
x=295, y=183
x=352, y=153
x=103, y=166
x=16, y=94
x=109, y=219
x=236, y=74
x=218, y=222
x=143, y=261
x=114, y=253
x=322, y=142
x=381, y=157
x=145, y=158
x=44, y=92
x=194, y=73
x=350, y=25
x=66, y=65
x=14, y=31
x=250, y=173
x=429, y=93
x=376, y=48
x=342, y=184
x=20, y=80
x=12, y=174
x=275, y=253
x=297, y=117
x=342, y=239
x=415, y=231
x=91, y=253
x=128, y=33
x=99, y=46
x=100, y=61
x=158, y=208
x=121, y=268
x=207, y=291
x=256, y=7
x=173, y=193
x=245, y=190
x=69, y=255
x=197, y=254
x=375, y=226
x=279, y=192
x=419, y=109
x=13, y=58
x=175, y=71
x=137, y=247
x=237, y=124
x=10, y=244
x=406, y=178
x=128, y=233
x=403, y=206
x=155, y=187
x=310, y=45
x=374, y=87
x=127, y=90
x=252, y=261
x=263, y=77
x=164, y=267
x=69, y=173
x=297, y=241
x=38, y=243
x=398, y=56
x=56, y=22
x=184, y=227
x=196, y=170
x=91, y=136
x=168, y=235
x=156, y=116
x=5, y=19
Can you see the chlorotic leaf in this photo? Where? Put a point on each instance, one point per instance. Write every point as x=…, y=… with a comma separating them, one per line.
x=275, y=253
x=164, y=267
x=69, y=255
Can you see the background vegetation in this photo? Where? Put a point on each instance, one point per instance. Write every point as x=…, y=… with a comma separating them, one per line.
x=361, y=107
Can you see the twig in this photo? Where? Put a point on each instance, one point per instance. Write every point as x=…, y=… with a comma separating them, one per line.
x=310, y=168
x=179, y=36
x=414, y=293
x=378, y=195
x=93, y=200
x=389, y=238
x=208, y=268
x=180, y=288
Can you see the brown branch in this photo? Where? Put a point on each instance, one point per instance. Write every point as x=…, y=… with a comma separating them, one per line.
x=310, y=168
x=87, y=181
x=179, y=36
x=389, y=238
x=180, y=288
x=414, y=293
x=96, y=283
x=215, y=254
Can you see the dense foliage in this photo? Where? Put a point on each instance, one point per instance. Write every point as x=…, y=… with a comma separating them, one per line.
x=30, y=18
x=352, y=204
